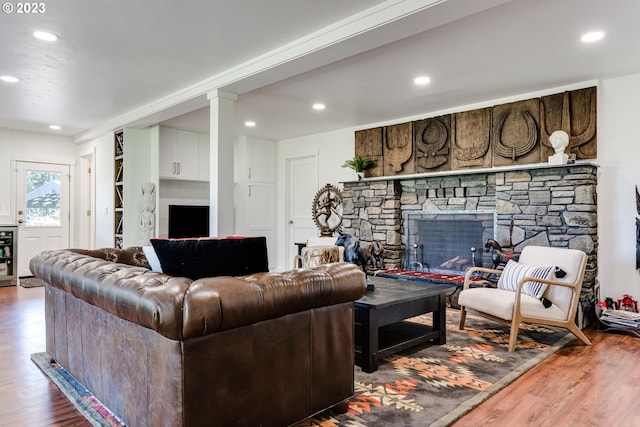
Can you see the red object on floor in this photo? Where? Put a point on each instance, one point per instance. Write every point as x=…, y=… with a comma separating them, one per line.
x=628, y=303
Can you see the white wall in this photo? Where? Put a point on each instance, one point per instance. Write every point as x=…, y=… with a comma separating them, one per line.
x=140, y=167
x=104, y=151
x=332, y=149
x=619, y=174
x=32, y=147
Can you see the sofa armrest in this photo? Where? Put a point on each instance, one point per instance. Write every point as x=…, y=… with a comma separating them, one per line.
x=152, y=300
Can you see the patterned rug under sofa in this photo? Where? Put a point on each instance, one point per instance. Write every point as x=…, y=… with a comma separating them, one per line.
x=425, y=386
x=436, y=385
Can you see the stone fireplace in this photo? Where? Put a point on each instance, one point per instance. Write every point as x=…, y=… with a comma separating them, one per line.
x=533, y=205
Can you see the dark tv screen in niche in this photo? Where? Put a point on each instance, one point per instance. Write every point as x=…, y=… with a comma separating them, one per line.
x=188, y=221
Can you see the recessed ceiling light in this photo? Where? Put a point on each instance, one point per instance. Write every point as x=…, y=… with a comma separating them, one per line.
x=319, y=106
x=250, y=124
x=46, y=36
x=593, y=36
x=422, y=80
x=55, y=127
x=9, y=79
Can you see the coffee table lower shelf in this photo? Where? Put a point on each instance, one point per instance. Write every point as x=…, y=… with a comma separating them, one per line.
x=396, y=337
x=381, y=319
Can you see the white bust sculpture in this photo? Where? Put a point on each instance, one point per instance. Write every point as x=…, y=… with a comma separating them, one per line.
x=559, y=141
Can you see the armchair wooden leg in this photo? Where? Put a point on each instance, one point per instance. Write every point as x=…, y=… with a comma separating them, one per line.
x=463, y=317
x=579, y=334
x=513, y=335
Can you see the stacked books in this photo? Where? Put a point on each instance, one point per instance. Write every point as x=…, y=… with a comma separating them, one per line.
x=620, y=318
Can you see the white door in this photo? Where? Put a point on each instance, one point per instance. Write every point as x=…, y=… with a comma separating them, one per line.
x=302, y=185
x=42, y=210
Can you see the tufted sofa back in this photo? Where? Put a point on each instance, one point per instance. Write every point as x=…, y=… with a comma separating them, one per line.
x=179, y=308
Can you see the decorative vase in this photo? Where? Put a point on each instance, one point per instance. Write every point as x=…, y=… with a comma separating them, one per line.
x=360, y=175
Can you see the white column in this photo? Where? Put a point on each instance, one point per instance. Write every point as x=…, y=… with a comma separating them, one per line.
x=222, y=106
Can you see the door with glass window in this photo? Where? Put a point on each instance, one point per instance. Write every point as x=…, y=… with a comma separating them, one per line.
x=42, y=210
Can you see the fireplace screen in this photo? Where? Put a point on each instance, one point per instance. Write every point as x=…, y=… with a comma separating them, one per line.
x=448, y=242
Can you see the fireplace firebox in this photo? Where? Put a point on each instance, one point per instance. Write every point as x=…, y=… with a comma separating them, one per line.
x=448, y=242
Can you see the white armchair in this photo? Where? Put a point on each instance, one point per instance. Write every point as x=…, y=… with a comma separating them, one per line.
x=530, y=291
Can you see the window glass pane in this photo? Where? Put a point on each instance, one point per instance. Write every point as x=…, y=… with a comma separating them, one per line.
x=43, y=198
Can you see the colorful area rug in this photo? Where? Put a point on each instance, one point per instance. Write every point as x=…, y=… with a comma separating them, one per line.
x=86, y=403
x=436, y=385
x=432, y=385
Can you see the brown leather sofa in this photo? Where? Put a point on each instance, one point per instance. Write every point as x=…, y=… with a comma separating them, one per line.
x=267, y=349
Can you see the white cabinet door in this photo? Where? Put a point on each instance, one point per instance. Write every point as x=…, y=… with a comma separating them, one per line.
x=167, y=166
x=186, y=154
x=204, y=147
x=261, y=160
x=179, y=155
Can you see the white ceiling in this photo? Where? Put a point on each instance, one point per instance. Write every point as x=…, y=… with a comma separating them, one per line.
x=120, y=62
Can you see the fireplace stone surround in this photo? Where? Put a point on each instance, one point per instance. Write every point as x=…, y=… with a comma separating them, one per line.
x=535, y=205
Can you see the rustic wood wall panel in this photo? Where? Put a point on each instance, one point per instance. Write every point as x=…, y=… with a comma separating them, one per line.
x=432, y=141
x=575, y=113
x=507, y=134
x=368, y=143
x=515, y=133
x=471, y=139
x=398, y=150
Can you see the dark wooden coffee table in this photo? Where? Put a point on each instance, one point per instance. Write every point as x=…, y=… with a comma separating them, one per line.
x=380, y=329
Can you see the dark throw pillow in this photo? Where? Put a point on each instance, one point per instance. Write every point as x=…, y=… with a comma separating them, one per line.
x=209, y=257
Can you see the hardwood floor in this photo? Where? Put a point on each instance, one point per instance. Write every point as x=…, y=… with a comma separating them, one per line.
x=577, y=386
x=27, y=397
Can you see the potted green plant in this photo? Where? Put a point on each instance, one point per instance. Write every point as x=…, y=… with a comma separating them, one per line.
x=360, y=164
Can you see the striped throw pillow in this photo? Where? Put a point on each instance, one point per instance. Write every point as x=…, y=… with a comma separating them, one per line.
x=514, y=272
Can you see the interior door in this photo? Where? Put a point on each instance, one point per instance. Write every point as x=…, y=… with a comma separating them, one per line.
x=302, y=184
x=42, y=210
